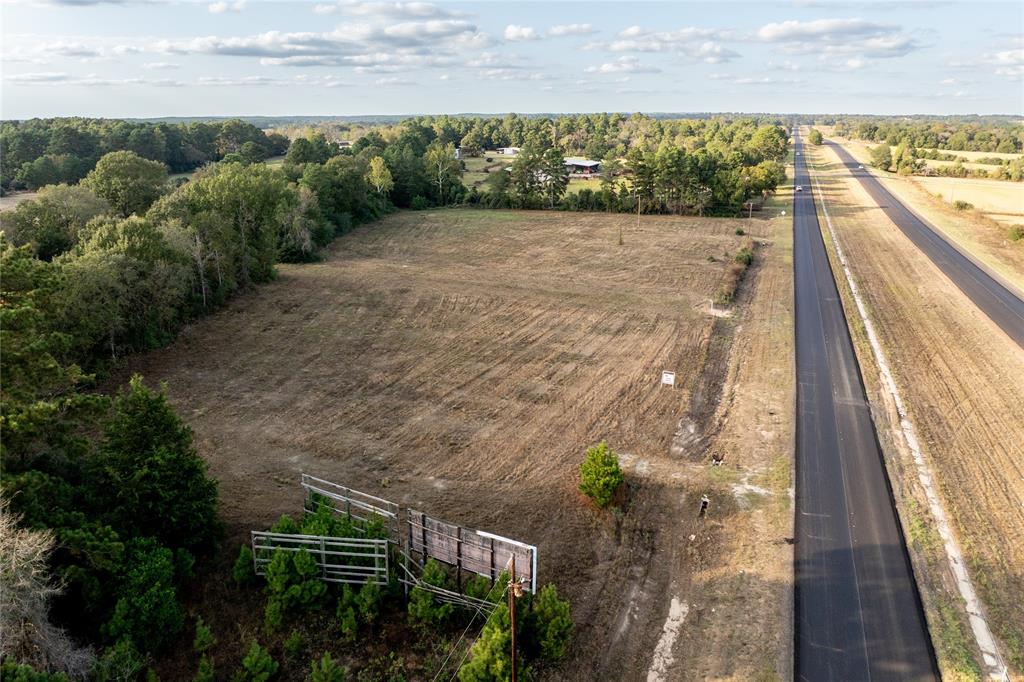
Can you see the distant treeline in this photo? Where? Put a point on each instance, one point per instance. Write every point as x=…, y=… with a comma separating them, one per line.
x=43, y=152
x=985, y=135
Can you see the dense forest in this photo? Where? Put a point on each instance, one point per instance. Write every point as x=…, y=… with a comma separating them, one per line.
x=105, y=495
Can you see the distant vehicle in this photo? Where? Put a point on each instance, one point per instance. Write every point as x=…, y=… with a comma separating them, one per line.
x=798, y=153
x=799, y=188
x=860, y=167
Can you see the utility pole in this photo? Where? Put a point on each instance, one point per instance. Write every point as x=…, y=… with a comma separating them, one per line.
x=512, y=585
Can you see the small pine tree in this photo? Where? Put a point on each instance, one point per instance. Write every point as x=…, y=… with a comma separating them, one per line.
x=348, y=623
x=551, y=623
x=326, y=670
x=490, y=658
x=368, y=602
x=424, y=610
x=204, y=639
x=243, y=571
x=600, y=475
x=258, y=665
x=205, y=671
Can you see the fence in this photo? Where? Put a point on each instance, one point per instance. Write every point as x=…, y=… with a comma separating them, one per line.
x=482, y=553
x=340, y=560
x=351, y=503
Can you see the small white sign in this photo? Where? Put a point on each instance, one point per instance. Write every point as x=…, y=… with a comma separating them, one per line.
x=668, y=378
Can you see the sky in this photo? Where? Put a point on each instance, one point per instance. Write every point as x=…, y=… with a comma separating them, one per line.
x=135, y=58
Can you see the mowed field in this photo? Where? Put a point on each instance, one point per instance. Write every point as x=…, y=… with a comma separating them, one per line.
x=960, y=377
x=999, y=200
x=460, y=362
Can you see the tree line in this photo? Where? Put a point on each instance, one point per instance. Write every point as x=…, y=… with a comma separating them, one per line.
x=41, y=152
x=989, y=135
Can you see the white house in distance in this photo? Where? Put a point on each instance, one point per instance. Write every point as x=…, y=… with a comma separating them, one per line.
x=509, y=151
x=584, y=167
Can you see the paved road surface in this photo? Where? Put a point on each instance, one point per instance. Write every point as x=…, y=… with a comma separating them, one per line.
x=858, y=615
x=1001, y=305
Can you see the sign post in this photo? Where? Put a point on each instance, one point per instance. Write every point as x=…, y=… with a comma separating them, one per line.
x=668, y=378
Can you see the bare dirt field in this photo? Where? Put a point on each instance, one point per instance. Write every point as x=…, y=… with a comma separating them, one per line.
x=959, y=375
x=461, y=361
x=13, y=199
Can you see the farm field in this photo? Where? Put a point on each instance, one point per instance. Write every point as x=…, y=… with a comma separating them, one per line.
x=13, y=199
x=979, y=235
x=955, y=369
x=460, y=362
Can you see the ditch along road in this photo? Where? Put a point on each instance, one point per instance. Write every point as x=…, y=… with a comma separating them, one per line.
x=1004, y=307
x=858, y=615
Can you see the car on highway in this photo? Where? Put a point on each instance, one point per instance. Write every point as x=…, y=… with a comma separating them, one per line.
x=860, y=167
x=799, y=188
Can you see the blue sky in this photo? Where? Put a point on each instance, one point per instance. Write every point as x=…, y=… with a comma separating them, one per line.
x=238, y=57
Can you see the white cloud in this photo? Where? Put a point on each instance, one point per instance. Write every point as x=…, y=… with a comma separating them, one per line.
x=160, y=66
x=409, y=10
x=517, y=33
x=623, y=65
x=393, y=80
x=224, y=6
x=858, y=37
x=570, y=30
x=91, y=80
x=697, y=44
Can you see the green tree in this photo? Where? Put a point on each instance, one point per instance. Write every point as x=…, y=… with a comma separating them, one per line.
x=379, y=176
x=52, y=221
x=424, y=610
x=600, y=475
x=549, y=624
x=443, y=169
x=554, y=176
x=258, y=665
x=881, y=157
x=127, y=181
x=526, y=174
x=155, y=483
x=815, y=137
x=326, y=670
x=148, y=612
x=490, y=659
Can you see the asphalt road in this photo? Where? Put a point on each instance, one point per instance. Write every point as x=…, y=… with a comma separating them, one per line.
x=858, y=614
x=1001, y=305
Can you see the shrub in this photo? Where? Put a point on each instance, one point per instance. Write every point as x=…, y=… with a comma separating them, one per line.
x=204, y=639
x=424, y=610
x=962, y=205
x=348, y=623
x=419, y=203
x=12, y=671
x=368, y=602
x=258, y=665
x=119, y=662
x=148, y=612
x=490, y=658
x=600, y=475
x=815, y=136
x=205, y=671
x=1017, y=233
x=744, y=256
x=293, y=644
x=244, y=572
x=550, y=623
x=293, y=582
x=740, y=231
x=326, y=670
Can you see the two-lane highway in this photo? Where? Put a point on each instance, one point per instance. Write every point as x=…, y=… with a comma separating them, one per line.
x=1001, y=305
x=858, y=614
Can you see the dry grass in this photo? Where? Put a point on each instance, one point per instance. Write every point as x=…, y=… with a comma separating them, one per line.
x=461, y=362
x=957, y=372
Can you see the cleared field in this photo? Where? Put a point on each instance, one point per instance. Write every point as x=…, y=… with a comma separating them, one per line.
x=461, y=361
x=979, y=235
x=12, y=200
x=958, y=373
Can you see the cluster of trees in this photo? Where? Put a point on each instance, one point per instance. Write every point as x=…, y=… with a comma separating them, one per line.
x=906, y=160
x=42, y=152
x=1005, y=135
x=667, y=180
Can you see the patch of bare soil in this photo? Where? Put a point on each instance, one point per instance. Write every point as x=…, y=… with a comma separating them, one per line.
x=460, y=362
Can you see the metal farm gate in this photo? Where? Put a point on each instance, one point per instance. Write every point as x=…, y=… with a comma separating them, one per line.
x=340, y=560
x=351, y=503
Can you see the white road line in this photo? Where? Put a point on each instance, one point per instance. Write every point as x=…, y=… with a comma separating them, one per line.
x=982, y=633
